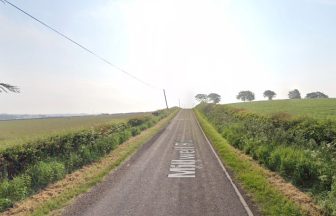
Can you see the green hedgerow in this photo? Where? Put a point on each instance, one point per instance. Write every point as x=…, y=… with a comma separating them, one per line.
x=16, y=189
x=44, y=173
x=302, y=150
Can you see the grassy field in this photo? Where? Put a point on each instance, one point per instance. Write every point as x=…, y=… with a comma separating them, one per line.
x=18, y=131
x=315, y=108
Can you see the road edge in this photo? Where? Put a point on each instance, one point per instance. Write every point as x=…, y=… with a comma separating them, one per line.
x=240, y=196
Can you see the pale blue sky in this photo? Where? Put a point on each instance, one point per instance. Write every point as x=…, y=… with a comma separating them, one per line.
x=185, y=46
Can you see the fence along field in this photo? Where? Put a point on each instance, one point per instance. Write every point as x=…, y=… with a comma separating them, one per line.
x=300, y=149
x=26, y=168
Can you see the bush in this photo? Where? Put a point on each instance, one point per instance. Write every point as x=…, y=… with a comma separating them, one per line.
x=306, y=171
x=136, y=131
x=288, y=160
x=274, y=161
x=263, y=153
x=44, y=173
x=159, y=113
x=5, y=204
x=125, y=135
x=106, y=144
x=231, y=133
x=72, y=162
x=16, y=189
x=134, y=122
x=330, y=203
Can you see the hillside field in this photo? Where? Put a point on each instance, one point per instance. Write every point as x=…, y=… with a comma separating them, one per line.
x=18, y=131
x=314, y=108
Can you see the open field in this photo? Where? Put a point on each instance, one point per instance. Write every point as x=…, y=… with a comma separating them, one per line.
x=18, y=131
x=315, y=108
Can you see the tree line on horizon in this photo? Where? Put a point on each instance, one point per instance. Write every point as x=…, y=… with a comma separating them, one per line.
x=212, y=97
x=250, y=96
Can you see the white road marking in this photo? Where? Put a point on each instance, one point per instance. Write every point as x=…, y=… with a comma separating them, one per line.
x=241, y=198
x=185, y=165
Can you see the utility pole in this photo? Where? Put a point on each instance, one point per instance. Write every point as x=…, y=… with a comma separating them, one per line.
x=179, y=103
x=164, y=93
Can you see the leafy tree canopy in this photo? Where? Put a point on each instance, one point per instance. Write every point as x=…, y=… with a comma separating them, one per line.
x=214, y=98
x=269, y=94
x=314, y=95
x=201, y=97
x=295, y=94
x=246, y=96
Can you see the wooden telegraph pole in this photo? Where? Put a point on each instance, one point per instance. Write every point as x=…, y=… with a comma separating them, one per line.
x=164, y=93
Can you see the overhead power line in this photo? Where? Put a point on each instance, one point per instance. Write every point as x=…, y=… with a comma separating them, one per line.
x=78, y=44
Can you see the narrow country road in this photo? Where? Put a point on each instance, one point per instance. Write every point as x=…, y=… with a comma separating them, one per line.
x=177, y=174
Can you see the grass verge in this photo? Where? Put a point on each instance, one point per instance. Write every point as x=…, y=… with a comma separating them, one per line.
x=254, y=179
x=58, y=195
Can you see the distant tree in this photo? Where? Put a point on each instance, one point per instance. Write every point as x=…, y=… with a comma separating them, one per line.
x=314, y=95
x=215, y=98
x=269, y=94
x=201, y=97
x=7, y=87
x=245, y=96
x=295, y=94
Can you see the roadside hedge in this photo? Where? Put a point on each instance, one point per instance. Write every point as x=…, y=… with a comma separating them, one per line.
x=25, y=169
x=16, y=159
x=302, y=150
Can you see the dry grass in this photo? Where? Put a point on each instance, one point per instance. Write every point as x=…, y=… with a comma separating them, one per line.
x=302, y=199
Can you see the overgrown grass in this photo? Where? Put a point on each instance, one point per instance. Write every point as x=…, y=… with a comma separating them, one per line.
x=252, y=178
x=314, y=108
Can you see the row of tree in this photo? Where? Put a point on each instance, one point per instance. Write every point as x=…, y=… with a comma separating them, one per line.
x=269, y=94
x=250, y=96
x=212, y=98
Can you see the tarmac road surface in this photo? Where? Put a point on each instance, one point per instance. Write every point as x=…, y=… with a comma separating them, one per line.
x=175, y=174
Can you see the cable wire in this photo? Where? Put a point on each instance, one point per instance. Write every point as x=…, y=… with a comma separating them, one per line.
x=78, y=44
